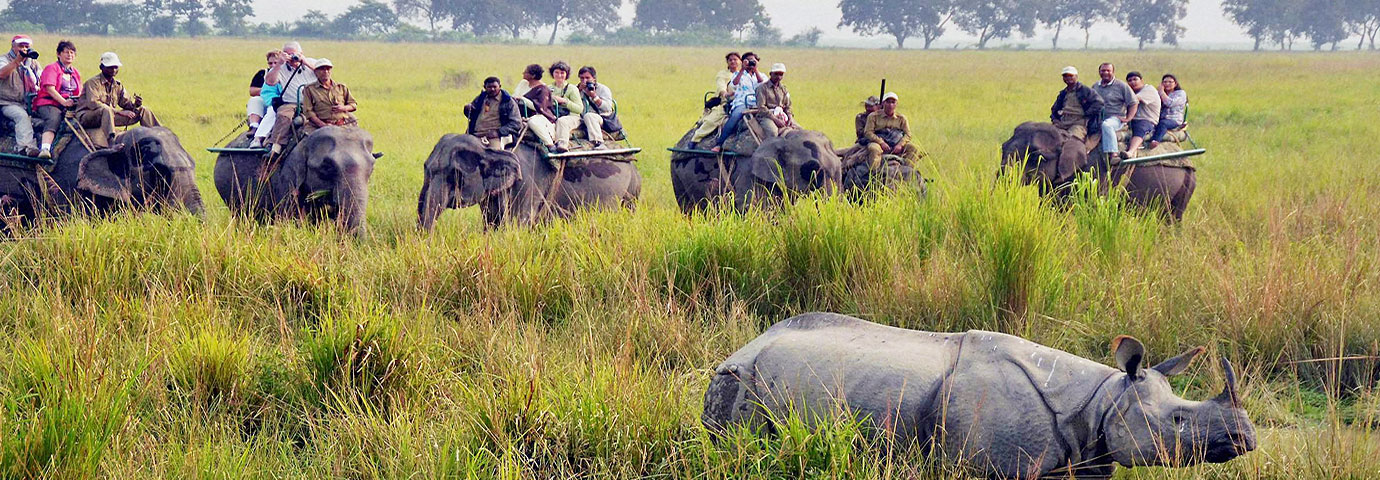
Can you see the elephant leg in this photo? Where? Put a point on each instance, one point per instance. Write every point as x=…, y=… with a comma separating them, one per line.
x=1185, y=193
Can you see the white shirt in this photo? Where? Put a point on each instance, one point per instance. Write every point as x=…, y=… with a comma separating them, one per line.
x=746, y=89
x=303, y=77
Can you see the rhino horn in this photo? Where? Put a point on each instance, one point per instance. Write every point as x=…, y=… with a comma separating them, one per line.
x=1229, y=395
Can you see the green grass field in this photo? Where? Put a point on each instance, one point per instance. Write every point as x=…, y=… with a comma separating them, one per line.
x=148, y=346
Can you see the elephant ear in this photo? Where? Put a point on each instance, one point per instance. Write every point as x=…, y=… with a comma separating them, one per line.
x=291, y=174
x=97, y=173
x=1072, y=158
x=500, y=172
x=766, y=167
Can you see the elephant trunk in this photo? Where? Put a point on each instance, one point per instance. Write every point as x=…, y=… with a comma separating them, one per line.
x=351, y=198
x=436, y=196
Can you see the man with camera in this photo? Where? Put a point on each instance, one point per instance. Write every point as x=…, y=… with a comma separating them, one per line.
x=105, y=104
x=494, y=116
x=18, y=79
x=744, y=87
x=327, y=102
x=714, y=114
x=599, y=115
x=774, y=103
x=295, y=73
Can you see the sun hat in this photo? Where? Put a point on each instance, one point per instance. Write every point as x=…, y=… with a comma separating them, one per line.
x=778, y=67
x=891, y=95
x=1069, y=70
x=21, y=40
x=109, y=59
x=324, y=63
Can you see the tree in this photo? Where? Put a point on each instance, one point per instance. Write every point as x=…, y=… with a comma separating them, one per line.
x=1150, y=20
x=53, y=15
x=229, y=16
x=1363, y=19
x=1324, y=24
x=1086, y=14
x=682, y=15
x=989, y=19
x=1055, y=14
x=367, y=18
x=432, y=11
x=901, y=19
x=489, y=17
x=588, y=14
x=1259, y=18
x=807, y=38
x=314, y=23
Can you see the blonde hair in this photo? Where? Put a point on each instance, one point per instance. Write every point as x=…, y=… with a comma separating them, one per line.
x=273, y=53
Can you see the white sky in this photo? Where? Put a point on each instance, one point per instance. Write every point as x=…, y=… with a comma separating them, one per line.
x=1207, y=25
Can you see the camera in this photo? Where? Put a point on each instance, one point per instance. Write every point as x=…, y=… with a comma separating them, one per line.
x=295, y=57
x=31, y=54
x=752, y=63
x=589, y=86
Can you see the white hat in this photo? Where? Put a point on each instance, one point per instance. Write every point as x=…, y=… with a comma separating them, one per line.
x=1069, y=70
x=778, y=67
x=323, y=63
x=890, y=95
x=109, y=59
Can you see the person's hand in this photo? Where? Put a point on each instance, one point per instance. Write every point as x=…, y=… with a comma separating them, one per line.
x=559, y=100
x=66, y=102
x=337, y=108
x=468, y=110
x=896, y=150
x=130, y=114
x=138, y=101
x=1126, y=119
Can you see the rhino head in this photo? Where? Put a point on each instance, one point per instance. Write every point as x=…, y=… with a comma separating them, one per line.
x=1148, y=424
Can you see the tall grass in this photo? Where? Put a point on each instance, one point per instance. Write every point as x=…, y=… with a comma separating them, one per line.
x=168, y=346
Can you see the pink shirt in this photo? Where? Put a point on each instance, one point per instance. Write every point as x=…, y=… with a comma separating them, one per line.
x=68, y=85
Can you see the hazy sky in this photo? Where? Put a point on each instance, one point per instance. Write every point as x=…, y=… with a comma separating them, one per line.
x=1205, y=23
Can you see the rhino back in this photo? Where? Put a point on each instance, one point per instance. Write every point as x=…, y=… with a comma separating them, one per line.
x=1020, y=409
x=818, y=362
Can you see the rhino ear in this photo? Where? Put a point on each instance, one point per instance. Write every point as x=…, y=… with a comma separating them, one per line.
x=1129, y=353
x=1177, y=365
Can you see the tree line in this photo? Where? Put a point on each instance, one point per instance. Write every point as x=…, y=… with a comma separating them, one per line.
x=1323, y=23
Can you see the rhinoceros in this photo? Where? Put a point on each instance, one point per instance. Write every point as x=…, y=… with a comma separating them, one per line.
x=991, y=402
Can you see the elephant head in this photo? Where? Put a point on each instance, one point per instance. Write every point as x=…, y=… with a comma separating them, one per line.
x=327, y=173
x=147, y=166
x=461, y=172
x=1046, y=155
x=800, y=161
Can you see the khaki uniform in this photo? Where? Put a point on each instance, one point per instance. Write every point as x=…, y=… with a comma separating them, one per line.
x=769, y=97
x=878, y=121
x=101, y=98
x=715, y=117
x=1071, y=120
x=317, y=100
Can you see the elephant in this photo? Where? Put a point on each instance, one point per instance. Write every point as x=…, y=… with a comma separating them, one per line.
x=698, y=179
x=802, y=161
x=146, y=168
x=858, y=177
x=798, y=162
x=1051, y=159
x=325, y=176
x=519, y=186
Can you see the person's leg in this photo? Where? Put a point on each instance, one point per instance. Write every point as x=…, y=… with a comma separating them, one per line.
x=594, y=128
x=874, y=156
x=768, y=126
x=23, y=125
x=910, y=154
x=1164, y=126
x=52, y=118
x=709, y=123
x=1109, y=128
x=265, y=127
x=564, y=127
x=543, y=129
x=731, y=126
x=1079, y=131
x=1139, y=130
x=101, y=118
x=147, y=118
x=255, y=109
x=282, y=126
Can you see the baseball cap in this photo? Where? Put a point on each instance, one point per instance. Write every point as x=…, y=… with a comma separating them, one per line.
x=324, y=63
x=891, y=95
x=1069, y=70
x=872, y=101
x=21, y=40
x=778, y=67
x=109, y=59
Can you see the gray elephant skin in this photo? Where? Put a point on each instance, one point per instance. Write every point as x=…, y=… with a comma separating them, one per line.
x=519, y=186
x=146, y=168
x=994, y=403
x=1050, y=158
x=325, y=177
x=795, y=163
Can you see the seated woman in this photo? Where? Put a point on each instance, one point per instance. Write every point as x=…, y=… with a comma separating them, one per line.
x=58, y=88
x=1174, y=102
x=260, y=107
